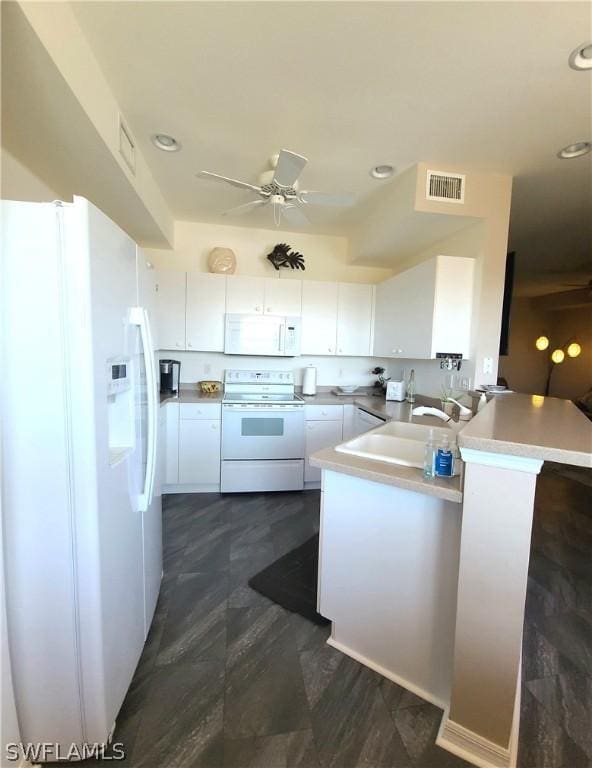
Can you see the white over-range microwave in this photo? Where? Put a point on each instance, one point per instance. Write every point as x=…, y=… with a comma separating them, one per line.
x=262, y=335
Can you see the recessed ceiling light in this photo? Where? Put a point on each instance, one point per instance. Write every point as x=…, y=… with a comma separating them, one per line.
x=581, y=57
x=166, y=143
x=382, y=171
x=575, y=150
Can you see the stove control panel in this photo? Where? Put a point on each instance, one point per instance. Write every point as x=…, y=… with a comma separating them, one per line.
x=259, y=377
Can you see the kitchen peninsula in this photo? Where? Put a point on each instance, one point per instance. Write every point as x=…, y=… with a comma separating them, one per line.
x=426, y=583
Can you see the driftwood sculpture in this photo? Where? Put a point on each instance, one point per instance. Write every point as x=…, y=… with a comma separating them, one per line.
x=283, y=256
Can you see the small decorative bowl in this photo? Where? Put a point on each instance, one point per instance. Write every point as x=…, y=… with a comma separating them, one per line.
x=347, y=389
x=209, y=387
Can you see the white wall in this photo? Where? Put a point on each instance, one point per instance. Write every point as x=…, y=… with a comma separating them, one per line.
x=197, y=366
x=326, y=256
x=17, y=182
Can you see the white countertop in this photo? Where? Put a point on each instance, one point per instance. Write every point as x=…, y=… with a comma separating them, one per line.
x=537, y=427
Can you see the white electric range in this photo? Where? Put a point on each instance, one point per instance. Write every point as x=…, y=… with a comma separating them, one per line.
x=262, y=432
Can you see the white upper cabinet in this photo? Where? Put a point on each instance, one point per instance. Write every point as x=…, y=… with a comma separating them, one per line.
x=319, y=318
x=283, y=297
x=245, y=295
x=453, y=305
x=355, y=312
x=170, y=305
x=425, y=310
x=206, y=305
x=263, y=295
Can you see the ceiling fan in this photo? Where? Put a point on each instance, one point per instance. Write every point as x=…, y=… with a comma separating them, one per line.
x=279, y=188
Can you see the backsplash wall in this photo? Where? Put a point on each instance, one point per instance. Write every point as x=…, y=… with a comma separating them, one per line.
x=196, y=366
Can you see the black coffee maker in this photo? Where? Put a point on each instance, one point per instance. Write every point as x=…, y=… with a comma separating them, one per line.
x=170, y=374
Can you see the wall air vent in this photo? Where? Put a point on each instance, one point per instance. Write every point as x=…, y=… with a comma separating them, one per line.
x=445, y=187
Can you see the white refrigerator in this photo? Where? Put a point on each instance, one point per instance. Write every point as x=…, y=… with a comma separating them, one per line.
x=81, y=514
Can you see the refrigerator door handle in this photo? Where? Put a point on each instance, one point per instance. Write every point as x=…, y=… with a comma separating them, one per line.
x=139, y=317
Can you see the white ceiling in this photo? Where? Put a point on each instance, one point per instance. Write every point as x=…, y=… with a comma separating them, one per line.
x=478, y=85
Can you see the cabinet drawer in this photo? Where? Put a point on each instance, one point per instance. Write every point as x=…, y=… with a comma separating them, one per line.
x=323, y=412
x=200, y=410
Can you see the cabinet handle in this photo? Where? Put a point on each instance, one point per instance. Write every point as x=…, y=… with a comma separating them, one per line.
x=177, y=343
x=189, y=344
x=257, y=308
x=340, y=351
x=330, y=349
x=214, y=426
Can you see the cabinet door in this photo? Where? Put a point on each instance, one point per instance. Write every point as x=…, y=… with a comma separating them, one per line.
x=283, y=297
x=199, y=451
x=170, y=304
x=245, y=295
x=355, y=308
x=159, y=478
x=206, y=305
x=453, y=305
x=171, y=438
x=319, y=318
x=404, y=313
x=320, y=434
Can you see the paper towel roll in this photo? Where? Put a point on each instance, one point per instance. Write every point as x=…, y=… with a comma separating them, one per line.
x=309, y=381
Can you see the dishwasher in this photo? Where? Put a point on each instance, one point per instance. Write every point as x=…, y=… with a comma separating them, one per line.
x=365, y=421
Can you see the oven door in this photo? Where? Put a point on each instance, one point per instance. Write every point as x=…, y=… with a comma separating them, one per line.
x=262, y=431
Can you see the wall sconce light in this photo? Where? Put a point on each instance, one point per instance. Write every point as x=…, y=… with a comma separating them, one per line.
x=572, y=348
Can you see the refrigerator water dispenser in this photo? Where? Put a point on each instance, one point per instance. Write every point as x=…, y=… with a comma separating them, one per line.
x=121, y=409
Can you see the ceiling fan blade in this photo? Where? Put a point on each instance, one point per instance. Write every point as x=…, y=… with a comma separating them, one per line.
x=294, y=215
x=234, y=182
x=240, y=210
x=289, y=167
x=326, y=198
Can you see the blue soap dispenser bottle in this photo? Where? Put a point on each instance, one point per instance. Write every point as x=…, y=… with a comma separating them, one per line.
x=444, y=464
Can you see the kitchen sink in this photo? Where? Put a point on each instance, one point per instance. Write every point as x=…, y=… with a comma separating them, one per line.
x=396, y=442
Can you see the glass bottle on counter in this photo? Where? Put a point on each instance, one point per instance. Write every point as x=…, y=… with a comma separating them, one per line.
x=429, y=457
x=411, y=387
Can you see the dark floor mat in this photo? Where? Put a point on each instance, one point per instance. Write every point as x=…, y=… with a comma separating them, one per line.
x=291, y=581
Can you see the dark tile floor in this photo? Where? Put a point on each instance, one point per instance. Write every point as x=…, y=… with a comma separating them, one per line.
x=229, y=679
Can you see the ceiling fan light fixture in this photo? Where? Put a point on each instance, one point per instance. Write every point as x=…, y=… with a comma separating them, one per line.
x=581, y=57
x=577, y=149
x=382, y=171
x=165, y=142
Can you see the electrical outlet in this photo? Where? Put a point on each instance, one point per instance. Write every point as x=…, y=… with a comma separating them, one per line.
x=465, y=383
x=341, y=373
x=488, y=365
x=207, y=369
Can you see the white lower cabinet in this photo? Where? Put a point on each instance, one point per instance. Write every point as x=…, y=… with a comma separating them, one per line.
x=323, y=429
x=199, y=451
x=170, y=439
x=199, y=444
